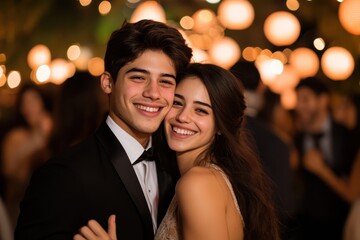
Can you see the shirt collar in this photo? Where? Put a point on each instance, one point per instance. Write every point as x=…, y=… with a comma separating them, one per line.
x=131, y=146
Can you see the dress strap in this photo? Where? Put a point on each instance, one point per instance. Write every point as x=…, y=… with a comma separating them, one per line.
x=230, y=188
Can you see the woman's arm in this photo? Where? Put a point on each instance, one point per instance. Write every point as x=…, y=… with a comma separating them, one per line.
x=347, y=189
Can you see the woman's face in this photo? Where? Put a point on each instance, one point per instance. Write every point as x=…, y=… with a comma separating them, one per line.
x=190, y=124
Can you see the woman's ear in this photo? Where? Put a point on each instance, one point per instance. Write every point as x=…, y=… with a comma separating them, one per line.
x=106, y=82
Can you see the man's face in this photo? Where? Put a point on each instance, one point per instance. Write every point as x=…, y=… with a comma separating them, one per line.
x=143, y=94
x=308, y=106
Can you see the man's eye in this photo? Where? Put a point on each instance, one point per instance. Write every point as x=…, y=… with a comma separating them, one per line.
x=137, y=77
x=168, y=82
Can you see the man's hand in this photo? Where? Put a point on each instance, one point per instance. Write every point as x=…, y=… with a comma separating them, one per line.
x=94, y=231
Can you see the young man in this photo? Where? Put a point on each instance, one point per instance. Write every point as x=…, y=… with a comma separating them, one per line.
x=101, y=176
x=322, y=211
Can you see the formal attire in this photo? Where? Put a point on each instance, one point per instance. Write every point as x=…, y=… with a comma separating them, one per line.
x=274, y=154
x=92, y=181
x=170, y=228
x=322, y=212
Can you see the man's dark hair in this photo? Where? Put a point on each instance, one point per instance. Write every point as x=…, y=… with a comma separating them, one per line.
x=315, y=84
x=132, y=39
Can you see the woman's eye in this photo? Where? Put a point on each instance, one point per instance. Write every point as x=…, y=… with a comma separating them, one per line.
x=202, y=111
x=177, y=103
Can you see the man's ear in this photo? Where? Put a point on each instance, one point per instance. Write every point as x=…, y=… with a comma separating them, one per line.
x=106, y=82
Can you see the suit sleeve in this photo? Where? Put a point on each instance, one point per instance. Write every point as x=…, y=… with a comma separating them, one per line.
x=51, y=207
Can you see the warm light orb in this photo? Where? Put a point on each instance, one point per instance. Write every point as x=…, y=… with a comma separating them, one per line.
x=104, y=7
x=38, y=55
x=59, y=71
x=200, y=56
x=288, y=79
x=73, y=52
x=319, y=44
x=288, y=99
x=305, y=61
x=187, y=22
x=292, y=5
x=96, y=66
x=225, y=52
x=81, y=62
x=337, y=63
x=236, y=14
x=2, y=80
x=42, y=74
x=148, y=10
x=13, y=79
x=349, y=16
x=85, y=3
x=281, y=28
x=204, y=19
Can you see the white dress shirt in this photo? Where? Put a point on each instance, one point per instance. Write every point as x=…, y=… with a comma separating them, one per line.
x=145, y=170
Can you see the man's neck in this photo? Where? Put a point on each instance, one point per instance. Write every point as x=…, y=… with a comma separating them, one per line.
x=318, y=124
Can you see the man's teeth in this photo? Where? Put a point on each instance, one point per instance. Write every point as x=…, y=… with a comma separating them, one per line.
x=183, y=131
x=148, y=109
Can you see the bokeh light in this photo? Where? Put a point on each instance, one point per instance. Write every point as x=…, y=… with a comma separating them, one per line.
x=282, y=28
x=349, y=16
x=225, y=52
x=148, y=10
x=38, y=55
x=337, y=63
x=13, y=79
x=236, y=14
x=305, y=61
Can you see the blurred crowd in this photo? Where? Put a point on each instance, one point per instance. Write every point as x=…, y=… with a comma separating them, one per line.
x=45, y=120
x=311, y=153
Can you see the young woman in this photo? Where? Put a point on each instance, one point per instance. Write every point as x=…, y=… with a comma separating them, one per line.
x=222, y=192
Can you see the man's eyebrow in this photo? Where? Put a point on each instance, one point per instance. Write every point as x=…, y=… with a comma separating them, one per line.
x=197, y=102
x=148, y=72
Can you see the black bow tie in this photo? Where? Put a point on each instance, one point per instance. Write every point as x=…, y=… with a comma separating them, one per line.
x=316, y=138
x=147, y=155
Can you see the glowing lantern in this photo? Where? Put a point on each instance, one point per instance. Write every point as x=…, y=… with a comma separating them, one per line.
x=225, y=52
x=337, y=63
x=148, y=10
x=305, y=61
x=236, y=14
x=288, y=79
x=200, y=56
x=349, y=16
x=14, y=79
x=204, y=19
x=281, y=28
x=38, y=55
x=96, y=66
x=60, y=70
x=288, y=99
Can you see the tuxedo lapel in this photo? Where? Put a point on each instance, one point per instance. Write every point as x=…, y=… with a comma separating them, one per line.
x=124, y=169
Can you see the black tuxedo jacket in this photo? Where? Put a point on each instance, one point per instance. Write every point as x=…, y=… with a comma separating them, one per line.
x=319, y=203
x=90, y=181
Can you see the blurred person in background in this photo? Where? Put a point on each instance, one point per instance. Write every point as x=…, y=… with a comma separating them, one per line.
x=25, y=145
x=346, y=112
x=79, y=108
x=274, y=153
x=281, y=121
x=322, y=212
